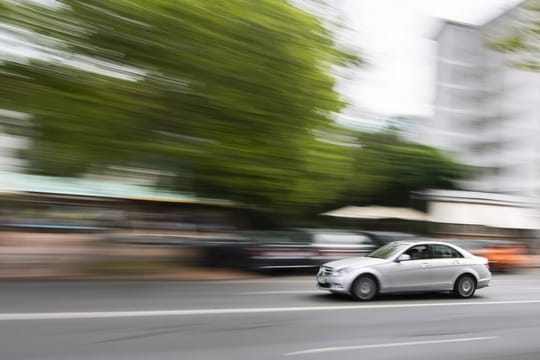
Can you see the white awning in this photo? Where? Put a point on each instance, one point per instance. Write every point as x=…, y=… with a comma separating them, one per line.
x=377, y=212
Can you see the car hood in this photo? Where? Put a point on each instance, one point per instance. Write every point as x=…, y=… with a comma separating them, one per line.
x=355, y=262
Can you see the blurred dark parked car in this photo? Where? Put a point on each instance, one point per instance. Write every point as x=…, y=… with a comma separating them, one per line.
x=298, y=249
x=331, y=245
x=260, y=250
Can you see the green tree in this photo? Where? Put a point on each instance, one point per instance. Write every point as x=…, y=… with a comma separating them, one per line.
x=225, y=93
x=387, y=169
x=523, y=40
x=235, y=98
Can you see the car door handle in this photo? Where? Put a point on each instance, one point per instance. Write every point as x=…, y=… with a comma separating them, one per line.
x=455, y=262
x=425, y=265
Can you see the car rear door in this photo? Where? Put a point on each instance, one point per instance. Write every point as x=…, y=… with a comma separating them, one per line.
x=445, y=264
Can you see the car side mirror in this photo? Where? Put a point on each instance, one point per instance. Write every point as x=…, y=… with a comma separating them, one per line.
x=404, y=257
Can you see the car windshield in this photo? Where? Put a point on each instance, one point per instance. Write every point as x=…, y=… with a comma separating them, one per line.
x=386, y=251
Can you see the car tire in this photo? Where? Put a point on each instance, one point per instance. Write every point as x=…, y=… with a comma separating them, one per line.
x=465, y=287
x=364, y=288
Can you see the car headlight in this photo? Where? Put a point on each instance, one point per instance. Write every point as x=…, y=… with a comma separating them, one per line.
x=341, y=272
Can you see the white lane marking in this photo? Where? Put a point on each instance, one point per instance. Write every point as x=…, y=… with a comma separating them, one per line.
x=150, y=313
x=259, y=280
x=280, y=292
x=375, y=346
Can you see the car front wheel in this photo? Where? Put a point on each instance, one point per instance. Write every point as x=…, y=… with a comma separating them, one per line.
x=364, y=288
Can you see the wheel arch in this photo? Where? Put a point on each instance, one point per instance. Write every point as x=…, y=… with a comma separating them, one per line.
x=467, y=271
x=366, y=272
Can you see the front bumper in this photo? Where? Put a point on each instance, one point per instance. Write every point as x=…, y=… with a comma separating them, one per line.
x=332, y=283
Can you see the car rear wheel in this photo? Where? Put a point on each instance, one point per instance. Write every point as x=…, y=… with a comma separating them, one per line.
x=364, y=288
x=465, y=287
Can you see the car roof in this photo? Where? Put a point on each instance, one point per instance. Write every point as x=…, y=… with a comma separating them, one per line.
x=388, y=233
x=423, y=241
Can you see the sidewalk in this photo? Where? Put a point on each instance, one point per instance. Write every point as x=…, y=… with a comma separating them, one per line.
x=177, y=274
x=85, y=257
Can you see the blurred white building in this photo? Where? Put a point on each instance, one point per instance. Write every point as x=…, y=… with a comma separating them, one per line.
x=487, y=113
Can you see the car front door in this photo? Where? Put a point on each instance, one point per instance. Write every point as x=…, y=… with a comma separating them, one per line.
x=409, y=275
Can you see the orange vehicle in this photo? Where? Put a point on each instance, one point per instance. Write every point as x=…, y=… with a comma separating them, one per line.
x=502, y=255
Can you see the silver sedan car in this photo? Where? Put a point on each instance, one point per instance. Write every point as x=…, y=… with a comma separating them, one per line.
x=407, y=266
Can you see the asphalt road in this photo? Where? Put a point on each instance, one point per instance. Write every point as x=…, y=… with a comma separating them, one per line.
x=271, y=318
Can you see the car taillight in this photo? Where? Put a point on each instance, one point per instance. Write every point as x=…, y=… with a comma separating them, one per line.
x=487, y=265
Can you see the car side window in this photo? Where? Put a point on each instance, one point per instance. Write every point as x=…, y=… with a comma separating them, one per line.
x=444, y=252
x=418, y=252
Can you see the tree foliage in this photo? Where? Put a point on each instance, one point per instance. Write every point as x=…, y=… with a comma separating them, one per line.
x=225, y=91
x=389, y=168
x=234, y=98
x=524, y=38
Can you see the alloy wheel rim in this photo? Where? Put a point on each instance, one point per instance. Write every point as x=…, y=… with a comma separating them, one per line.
x=466, y=286
x=366, y=287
